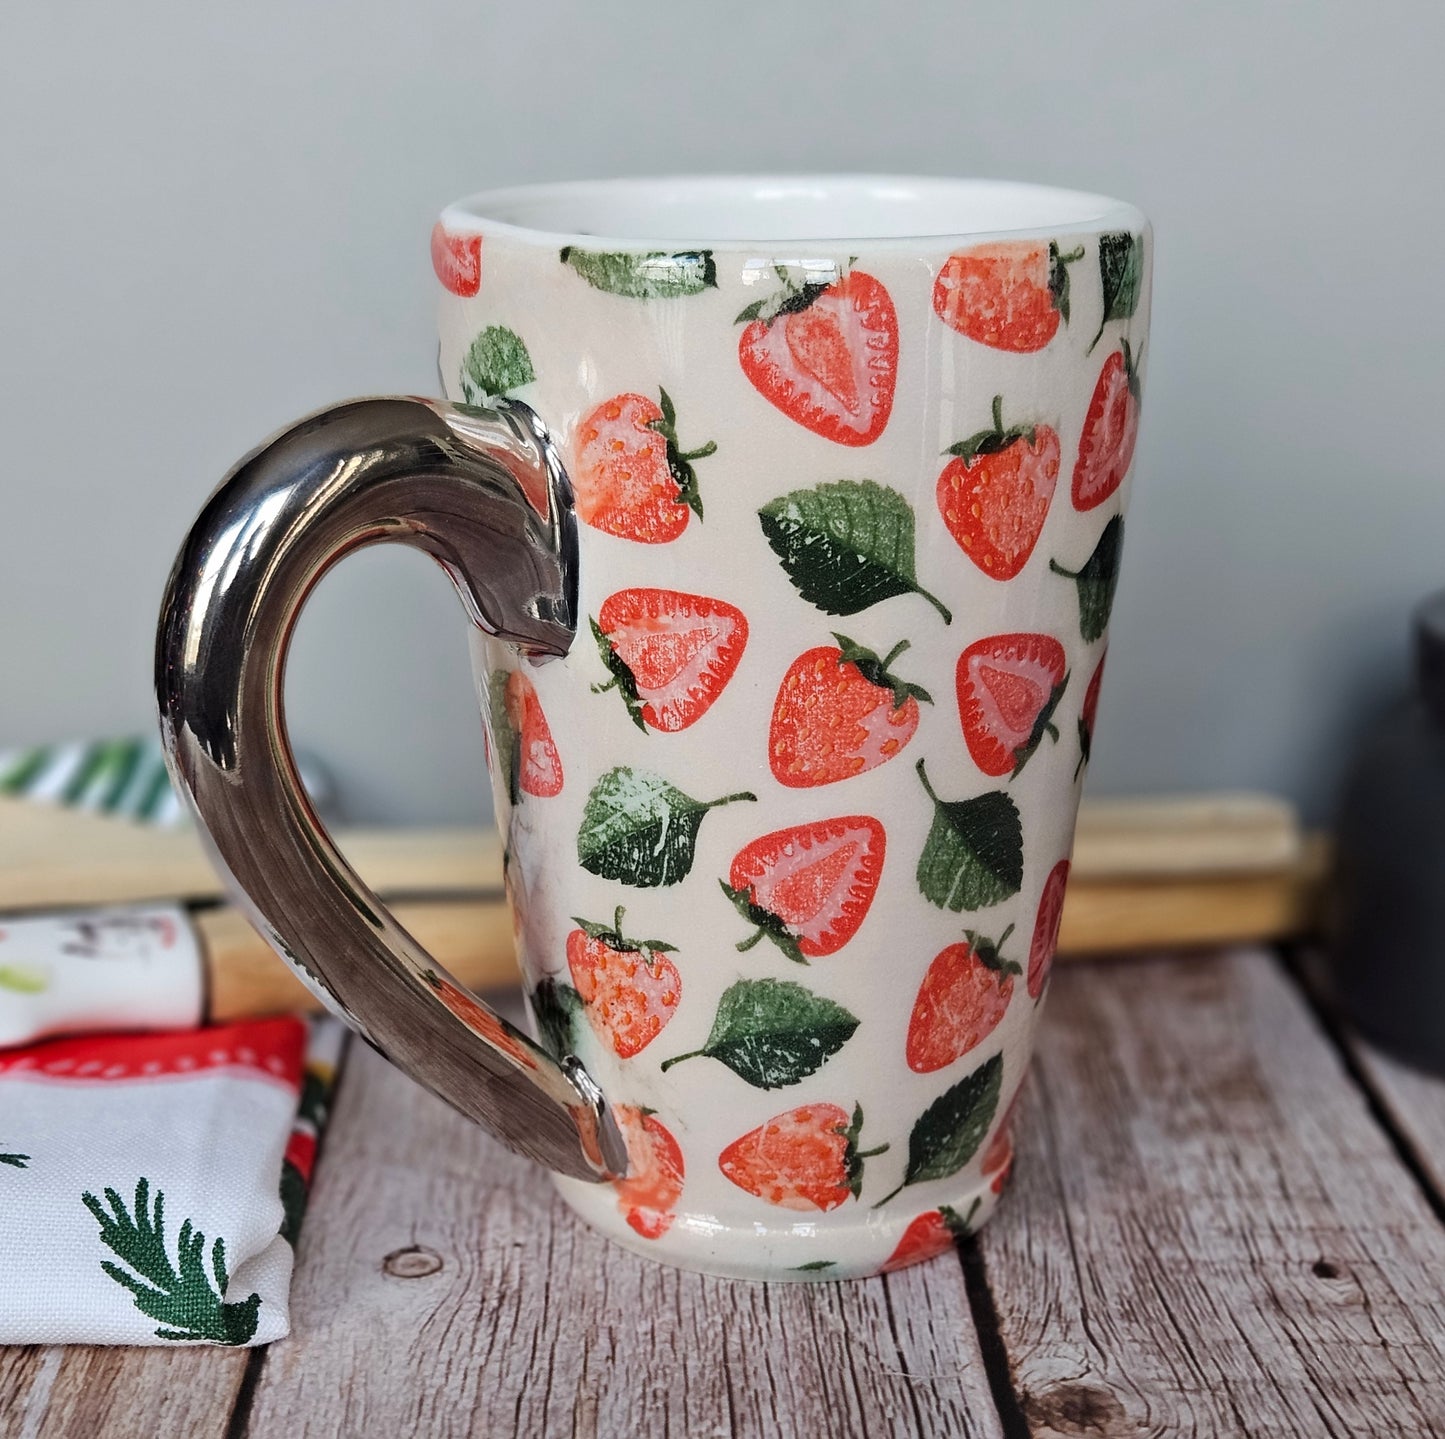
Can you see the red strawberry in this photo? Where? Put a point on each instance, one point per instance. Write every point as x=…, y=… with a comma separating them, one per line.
x=840, y=712
x=806, y=1159
x=964, y=994
x=630, y=477
x=994, y=495
x=540, y=766
x=629, y=986
x=1000, y=1152
x=1087, y=714
x=826, y=355
x=1008, y=689
x=1010, y=295
x=1046, y=928
x=808, y=888
x=929, y=1235
x=654, y=1178
x=457, y=260
x=1110, y=429
x=490, y=1026
x=670, y=654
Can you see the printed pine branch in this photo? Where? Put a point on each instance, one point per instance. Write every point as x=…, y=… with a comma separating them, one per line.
x=16, y=1161
x=180, y=1296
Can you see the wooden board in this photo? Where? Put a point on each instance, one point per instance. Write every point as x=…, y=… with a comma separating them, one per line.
x=1414, y=1103
x=1210, y=1233
x=86, y=1393
x=445, y=1290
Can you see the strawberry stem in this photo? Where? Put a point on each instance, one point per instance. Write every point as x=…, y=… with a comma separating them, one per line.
x=894, y=653
x=936, y=603
x=729, y=798
x=1058, y=569
x=708, y=449
x=923, y=775
x=678, y=1058
x=743, y=945
x=893, y=1195
x=998, y=413
x=869, y=1153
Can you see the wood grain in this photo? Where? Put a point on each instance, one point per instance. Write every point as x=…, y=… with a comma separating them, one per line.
x=1415, y=1103
x=444, y=1290
x=79, y=1392
x=1210, y=1234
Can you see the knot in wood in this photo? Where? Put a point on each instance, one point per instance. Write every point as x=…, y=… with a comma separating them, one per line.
x=414, y=1262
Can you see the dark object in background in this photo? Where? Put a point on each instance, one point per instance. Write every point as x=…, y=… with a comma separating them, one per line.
x=1387, y=946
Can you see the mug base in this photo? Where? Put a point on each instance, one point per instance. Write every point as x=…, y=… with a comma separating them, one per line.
x=796, y=1252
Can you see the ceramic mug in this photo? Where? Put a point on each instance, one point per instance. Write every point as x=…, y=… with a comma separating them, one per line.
x=787, y=513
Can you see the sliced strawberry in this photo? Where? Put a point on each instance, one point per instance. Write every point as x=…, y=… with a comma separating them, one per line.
x=807, y=1159
x=964, y=995
x=808, y=888
x=630, y=986
x=1000, y=1151
x=1009, y=295
x=838, y=713
x=630, y=478
x=670, y=653
x=1088, y=713
x=994, y=495
x=1046, y=928
x=1110, y=429
x=1008, y=689
x=540, y=766
x=930, y=1235
x=653, y=1185
x=457, y=260
x=825, y=355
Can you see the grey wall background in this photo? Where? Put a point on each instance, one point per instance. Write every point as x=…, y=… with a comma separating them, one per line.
x=215, y=218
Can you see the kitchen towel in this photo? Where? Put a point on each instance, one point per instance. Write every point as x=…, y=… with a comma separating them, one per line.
x=152, y=1185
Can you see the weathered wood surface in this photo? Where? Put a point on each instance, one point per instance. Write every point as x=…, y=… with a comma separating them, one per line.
x=444, y=1290
x=1415, y=1104
x=84, y=1393
x=1210, y=1233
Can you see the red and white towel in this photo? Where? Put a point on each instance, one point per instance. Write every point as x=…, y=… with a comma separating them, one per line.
x=151, y=1185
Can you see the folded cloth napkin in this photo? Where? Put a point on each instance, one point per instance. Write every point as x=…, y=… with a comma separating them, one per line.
x=152, y=1185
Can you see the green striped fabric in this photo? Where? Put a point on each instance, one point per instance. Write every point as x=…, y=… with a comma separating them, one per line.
x=123, y=777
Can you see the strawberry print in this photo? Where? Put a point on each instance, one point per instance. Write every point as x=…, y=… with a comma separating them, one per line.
x=647, y=1197
x=1008, y=689
x=994, y=494
x=1087, y=714
x=999, y=1153
x=631, y=477
x=808, y=888
x=930, y=1235
x=839, y=712
x=806, y=1159
x=1111, y=428
x=475, y=1016
x=964, y=995
x=457, y=260
x=949, y=1132
x=974, y=854
x=670, y=654
x=629, y=986
x=826, y=354
x=1046, y=929
x=1097, y=581
x=497, y=363
x=644, y=276
x=524, y=745
x=1010, y=295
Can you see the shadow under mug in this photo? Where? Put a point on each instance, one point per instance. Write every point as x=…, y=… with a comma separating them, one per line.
x=787, y=515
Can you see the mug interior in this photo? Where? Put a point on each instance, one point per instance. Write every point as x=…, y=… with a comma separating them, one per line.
x=765, y=210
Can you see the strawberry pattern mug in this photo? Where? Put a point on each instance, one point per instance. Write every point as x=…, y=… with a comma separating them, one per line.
x=788, y=515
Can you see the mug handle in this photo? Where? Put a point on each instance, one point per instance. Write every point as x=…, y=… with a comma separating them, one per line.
x=482, y=492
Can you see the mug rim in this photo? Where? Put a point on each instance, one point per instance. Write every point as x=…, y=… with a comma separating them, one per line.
x=508, y=211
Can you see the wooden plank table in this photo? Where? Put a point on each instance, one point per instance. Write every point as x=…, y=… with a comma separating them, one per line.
x=1225, y=1222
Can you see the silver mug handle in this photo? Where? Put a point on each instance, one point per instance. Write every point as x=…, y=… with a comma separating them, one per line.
x=453, y=483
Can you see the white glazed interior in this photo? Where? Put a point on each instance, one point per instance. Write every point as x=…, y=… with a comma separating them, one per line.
x=765, y=210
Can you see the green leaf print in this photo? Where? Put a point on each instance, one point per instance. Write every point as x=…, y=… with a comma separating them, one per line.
x=814, y=1266
x=496, y=364
x=24, y=978
x=1059, y=276
x=846, y=545
x=15, y=1161
x=655, y=276
x=640, y=830
x=181, y=1296
x=556, y=1007
x=974, y=854
x=506, y=751
x=949, y=1132
x=1097, y=581
x=1121, y=271
x=772, y=1032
